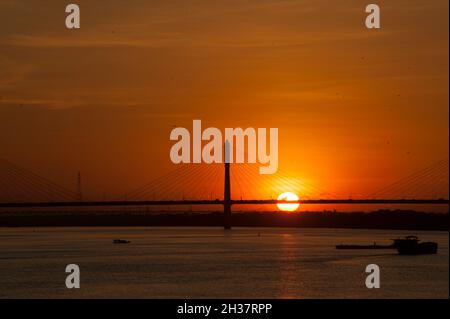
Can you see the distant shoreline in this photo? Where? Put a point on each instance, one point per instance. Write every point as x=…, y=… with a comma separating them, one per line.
x=382, y=219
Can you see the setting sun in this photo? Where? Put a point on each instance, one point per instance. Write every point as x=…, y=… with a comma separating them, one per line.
x=288, y=207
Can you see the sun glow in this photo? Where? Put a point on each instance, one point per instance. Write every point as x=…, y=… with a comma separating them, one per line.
x=288, y=207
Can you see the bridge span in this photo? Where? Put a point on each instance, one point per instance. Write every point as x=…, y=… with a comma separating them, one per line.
x=222, y=202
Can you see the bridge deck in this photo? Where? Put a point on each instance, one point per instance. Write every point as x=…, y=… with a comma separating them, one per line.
x=221, y=202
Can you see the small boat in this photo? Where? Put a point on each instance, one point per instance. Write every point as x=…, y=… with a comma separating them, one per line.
x=411, y=245
x=121, y=241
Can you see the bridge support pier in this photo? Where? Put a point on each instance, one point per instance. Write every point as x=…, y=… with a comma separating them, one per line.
x=227, y=199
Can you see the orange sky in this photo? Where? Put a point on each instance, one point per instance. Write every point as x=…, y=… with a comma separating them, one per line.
x=356, y=108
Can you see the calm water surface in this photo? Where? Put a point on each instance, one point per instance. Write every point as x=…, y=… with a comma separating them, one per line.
x=212, y=263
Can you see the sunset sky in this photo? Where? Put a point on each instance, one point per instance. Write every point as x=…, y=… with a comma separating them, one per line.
x=356, y=108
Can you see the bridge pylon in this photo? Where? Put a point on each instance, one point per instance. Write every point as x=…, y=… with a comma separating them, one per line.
x=227, y=190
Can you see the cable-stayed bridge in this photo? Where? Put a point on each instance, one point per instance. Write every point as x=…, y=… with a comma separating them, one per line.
x=219, y=184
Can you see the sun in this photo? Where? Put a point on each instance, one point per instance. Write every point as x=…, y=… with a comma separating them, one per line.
x=288, y=207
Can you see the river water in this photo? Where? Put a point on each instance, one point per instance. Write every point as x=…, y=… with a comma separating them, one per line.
x=213, y=263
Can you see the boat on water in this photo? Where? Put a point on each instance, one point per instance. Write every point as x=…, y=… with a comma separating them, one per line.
x=410, y=245
x=121, y=241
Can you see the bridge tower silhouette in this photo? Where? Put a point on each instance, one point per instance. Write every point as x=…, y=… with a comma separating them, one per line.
x=227, y=198
x=227, y=188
